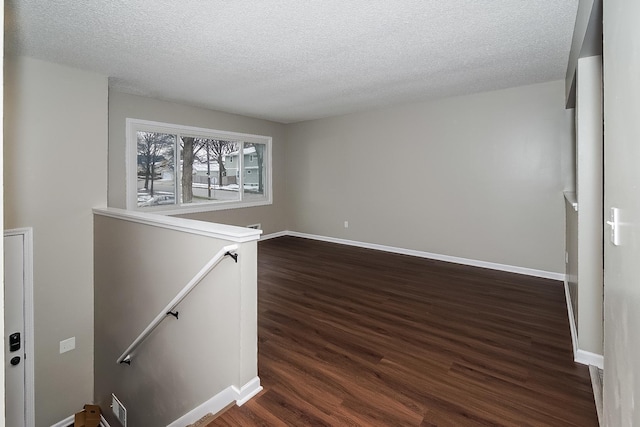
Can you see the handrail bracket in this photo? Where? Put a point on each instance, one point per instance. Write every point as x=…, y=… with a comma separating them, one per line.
x=125, y=357
x=232, y=255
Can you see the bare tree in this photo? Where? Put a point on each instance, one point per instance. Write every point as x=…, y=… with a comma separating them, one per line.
x=216, y=149
x=153, y=148
x=187, y=169
x=204, y=151
x=190, y=148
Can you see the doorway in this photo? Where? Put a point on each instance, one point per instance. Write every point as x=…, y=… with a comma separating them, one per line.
x=18, y=321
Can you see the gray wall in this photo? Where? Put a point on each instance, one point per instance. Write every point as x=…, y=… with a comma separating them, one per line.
x=55, y=169
x=2, y=325
x=184, y=362
x=122, y=106
x=571, y=245
x=622, y=175
x=589, y=155
x=478, y=177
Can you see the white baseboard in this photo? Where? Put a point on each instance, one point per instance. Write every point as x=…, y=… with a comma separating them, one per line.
x=69, y=421
x=589, y=358
x=447, y=258
x=274, y=235
x=572, y=319
x=247, y=391
x=220, y=401
x=579, y=356
x=214, y=405
x=64, y=423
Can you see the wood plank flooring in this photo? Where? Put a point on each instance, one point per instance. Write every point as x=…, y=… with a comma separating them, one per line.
x=356, y=337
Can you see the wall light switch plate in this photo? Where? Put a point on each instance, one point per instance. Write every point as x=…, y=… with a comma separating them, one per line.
x=67, y=345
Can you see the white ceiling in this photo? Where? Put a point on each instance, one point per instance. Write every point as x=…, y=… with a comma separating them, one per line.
x=294, y=60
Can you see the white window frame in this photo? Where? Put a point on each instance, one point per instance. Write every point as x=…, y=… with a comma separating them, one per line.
x=133, y=126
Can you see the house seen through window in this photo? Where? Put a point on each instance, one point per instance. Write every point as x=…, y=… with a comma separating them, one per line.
x=193, y=169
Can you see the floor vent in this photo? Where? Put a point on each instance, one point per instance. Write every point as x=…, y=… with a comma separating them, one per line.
x=119, y=410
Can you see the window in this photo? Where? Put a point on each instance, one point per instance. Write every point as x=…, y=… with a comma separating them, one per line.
x=173, y=168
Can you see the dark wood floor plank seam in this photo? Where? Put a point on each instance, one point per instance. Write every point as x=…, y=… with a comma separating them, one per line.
x=356, y=337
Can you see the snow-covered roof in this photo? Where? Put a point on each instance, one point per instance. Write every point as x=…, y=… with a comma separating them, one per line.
x=202, y=167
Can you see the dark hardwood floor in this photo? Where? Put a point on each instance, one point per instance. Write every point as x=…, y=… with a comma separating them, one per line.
x=351, y=336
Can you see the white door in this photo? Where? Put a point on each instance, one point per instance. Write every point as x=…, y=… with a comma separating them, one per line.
x=14, y=352
x=622, y=191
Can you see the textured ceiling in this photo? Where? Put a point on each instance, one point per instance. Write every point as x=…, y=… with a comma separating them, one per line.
x=293, y=60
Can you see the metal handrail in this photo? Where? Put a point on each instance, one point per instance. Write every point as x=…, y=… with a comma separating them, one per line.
x=125, y=357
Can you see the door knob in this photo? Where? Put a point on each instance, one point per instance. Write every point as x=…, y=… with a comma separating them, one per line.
x=15, y=360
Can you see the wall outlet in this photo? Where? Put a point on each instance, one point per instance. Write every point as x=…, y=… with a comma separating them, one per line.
x=346, y=224
x=566, y=257
x=67, y=345
x=255, y=226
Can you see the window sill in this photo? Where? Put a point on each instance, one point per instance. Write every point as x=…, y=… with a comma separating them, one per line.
x=200, y=207
x=220, y=231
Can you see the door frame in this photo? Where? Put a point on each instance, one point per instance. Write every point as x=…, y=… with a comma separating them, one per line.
x=29, y=366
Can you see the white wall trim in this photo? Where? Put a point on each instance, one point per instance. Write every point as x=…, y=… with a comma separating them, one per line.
x=29, y=368
x=69, y=420
x=589, y=358
x=133, y=125
x=64, y=423
x=447, y=258
x=570, y=197
x=580, y=356
x=214, y=405
x=274, y=235
x=572, y=320
x=219, y=402
x=202, y=228
x=247, y=391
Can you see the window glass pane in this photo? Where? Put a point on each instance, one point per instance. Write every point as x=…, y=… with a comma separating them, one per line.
x=156, y=169
x=255, y=173
x=208, y=170
x=178, y=168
